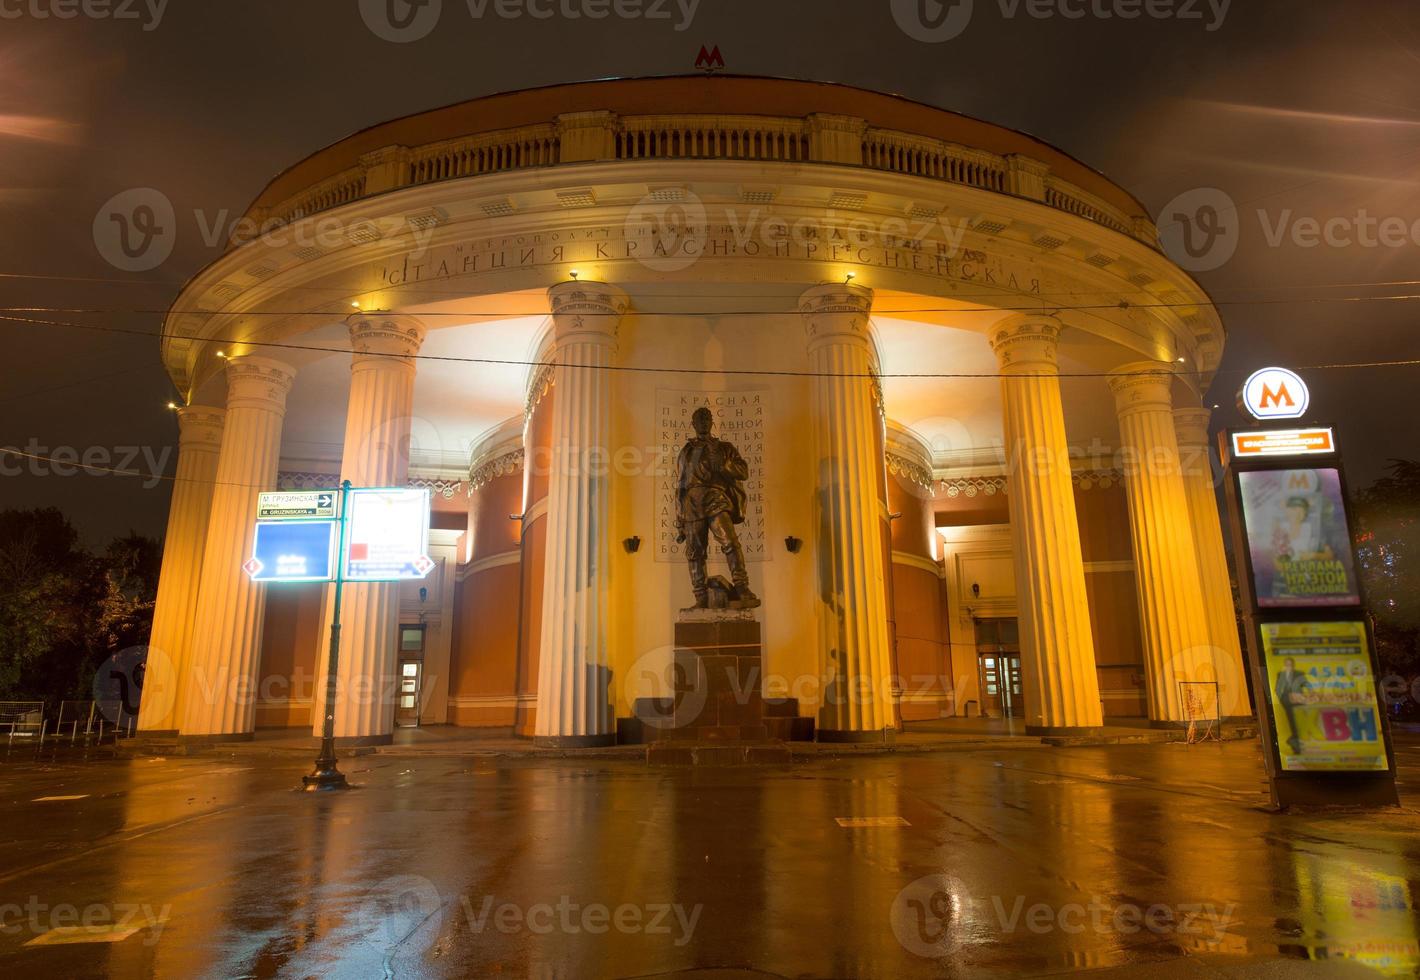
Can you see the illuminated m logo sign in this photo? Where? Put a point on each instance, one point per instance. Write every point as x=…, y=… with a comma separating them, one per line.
x=709, y=59
x=1276, y=397
x=1274, y=393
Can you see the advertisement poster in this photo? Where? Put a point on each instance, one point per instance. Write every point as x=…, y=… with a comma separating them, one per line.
x=1298, y=538
x=388, y=537
x=1323, y=697
x=1359, y=911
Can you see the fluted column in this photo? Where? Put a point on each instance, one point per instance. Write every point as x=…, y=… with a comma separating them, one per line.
x=1057, y=642
x=1191, y=427
x=573, y=683
x=169, y=646
x=1171, y=613
x=852, y=582
x=375, y=454
x=219, y=693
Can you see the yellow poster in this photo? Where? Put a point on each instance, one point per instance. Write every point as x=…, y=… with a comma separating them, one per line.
x=1323, y=697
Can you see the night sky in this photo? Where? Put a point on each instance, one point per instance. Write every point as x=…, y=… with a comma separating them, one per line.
x=1298, y=110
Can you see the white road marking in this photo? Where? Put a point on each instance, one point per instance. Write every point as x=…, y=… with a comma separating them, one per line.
x=67, y=935
x=871, y=822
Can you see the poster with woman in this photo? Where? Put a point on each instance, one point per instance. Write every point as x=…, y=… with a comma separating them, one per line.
x=1298, y=538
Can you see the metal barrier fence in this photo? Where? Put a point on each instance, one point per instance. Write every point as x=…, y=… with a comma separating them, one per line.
x=22, y=719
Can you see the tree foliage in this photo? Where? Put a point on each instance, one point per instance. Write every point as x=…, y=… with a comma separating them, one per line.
x=63, y=609
x=1388, y=539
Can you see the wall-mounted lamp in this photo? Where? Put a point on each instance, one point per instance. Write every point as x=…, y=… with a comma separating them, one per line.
x=793, y=544
x=975, y=590
x=574, y=274
x=632, y=544
x=423, y=594
x=849, y=278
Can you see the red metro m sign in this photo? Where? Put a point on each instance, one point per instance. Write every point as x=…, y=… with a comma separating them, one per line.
x=1274, y=393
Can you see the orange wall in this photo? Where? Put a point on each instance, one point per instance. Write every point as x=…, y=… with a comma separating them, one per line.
x=1114, y=603
x=290, y=639
x=488, y=510
x=922, y=653
x=484, y=660
x=910, y=532
x=534, y=561
x=967, y=511
x=1103, y=514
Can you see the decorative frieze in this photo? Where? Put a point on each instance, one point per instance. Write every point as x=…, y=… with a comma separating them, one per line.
x=987, y=486
x=1097, y=479
x=492, y=467
x=909, y=470
x=974, y=486
x=444, y=488
x=306, y=480
x=540, y=382
x=311, y=480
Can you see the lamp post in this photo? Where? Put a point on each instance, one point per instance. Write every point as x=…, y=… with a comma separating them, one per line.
x=327, y=775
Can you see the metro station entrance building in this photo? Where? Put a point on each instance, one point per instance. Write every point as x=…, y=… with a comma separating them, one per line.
x=965, y=379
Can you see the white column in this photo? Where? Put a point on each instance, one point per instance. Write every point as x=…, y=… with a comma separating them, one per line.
x=1171, y=613
x=219, y=693
x=573, y=683
x=1057, y=642
x=1191, y=426
x=857, y=703
x=169, y=647
x=376, y=454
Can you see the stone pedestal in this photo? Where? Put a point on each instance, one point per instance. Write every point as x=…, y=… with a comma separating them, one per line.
x=718, y=713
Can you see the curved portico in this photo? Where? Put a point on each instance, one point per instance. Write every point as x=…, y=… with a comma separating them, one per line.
x=905, y=319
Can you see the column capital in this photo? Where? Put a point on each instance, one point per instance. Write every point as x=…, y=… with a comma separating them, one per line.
x=838, y=311
x=1142, y=386
x=1191, y=425
x=1027, y=343
x=200, y=426
x=384, y=334
x=259, y=382
x=586, y=310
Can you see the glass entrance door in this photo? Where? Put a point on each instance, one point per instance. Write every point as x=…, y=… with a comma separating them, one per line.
x=411, y=676
x=998, y=658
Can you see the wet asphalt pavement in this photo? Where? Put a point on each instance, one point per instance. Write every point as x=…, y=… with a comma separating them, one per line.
x=1149, y=861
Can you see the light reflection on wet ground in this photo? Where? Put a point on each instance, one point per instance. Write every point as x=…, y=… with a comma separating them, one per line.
x=1154, y=861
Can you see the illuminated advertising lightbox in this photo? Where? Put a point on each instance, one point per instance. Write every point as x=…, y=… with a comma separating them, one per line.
x=1298, y=539
x=1328, y=717
x=387, y=538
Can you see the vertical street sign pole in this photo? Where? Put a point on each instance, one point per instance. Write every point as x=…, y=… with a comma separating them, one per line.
x=327, y=776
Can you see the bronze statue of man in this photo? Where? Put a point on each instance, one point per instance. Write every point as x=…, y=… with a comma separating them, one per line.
x=710, y=499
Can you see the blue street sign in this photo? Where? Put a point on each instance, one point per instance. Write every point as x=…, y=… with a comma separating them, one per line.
x=293, y=551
